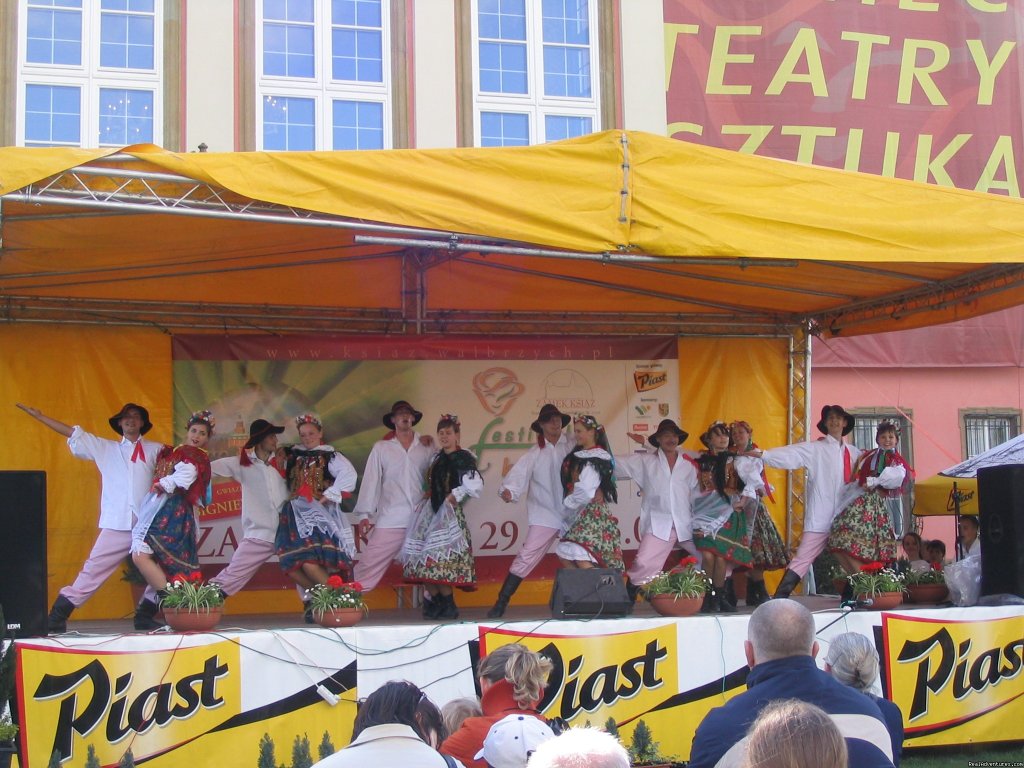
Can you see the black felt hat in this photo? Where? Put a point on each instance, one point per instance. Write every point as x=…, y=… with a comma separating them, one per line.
x=260, y=429
x=667, y=425
x=840, y=410
x=401, y=405
x=115, y=420
x=546, y=412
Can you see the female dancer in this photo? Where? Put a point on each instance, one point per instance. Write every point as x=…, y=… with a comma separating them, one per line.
x=862, y=531
x=767, y=549
x=438, y=550
x=720, y=514
x=164, y=543
x=588, y=480
x=313, y=539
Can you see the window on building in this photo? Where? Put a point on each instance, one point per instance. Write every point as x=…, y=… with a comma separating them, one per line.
x=865, y=426
x=987, y=428
x=535, y=65
x=323, y=77
x=89, y=73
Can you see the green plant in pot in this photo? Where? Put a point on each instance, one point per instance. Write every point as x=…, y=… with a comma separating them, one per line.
x=678, y=592
x=875, y=579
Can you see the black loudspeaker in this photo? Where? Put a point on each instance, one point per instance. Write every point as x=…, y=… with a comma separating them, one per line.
x=23, y=552
x=1001, y=516
x=589, y=593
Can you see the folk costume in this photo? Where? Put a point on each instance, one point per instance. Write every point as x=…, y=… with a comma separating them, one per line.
x=829, y=463
x=588, y=479
x=438, y=548
x=126, y=473
x=718, y=527
x=665, y=508
x=264, y=493
x=539, y=471
x=311, y=527
x=392, y=487
x=863, y=529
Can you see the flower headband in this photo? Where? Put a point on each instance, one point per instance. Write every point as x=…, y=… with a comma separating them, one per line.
x=308, y=418
x=588, y=421
x=203, y=417
x=888, y=426
x=450, y=418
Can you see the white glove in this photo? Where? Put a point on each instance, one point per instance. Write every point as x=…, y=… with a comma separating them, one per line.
x=331, y=494
x=873, y=482
x=167, y=483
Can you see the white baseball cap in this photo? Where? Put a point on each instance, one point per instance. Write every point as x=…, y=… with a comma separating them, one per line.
x=512, y=740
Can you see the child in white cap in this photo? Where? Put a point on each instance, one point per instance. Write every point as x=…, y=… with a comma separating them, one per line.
x=512, y=740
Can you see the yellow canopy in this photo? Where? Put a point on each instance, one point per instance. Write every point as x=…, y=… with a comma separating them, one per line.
x=934, y=496
x=617, y=231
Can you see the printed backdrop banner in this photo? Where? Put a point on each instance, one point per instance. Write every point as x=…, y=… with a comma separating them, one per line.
x=495, y=387
x=234, y=697
x=914, y=89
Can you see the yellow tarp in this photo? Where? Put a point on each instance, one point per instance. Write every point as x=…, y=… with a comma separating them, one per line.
x=934, y=496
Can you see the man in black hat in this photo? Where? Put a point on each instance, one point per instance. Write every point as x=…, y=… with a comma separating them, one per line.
x=668, y=479
x=264, y=492
x=538, y=470
x=392, y=486
x=126, y=471
x=829, y=462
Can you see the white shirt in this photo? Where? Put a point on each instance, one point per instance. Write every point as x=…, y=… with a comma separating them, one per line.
x=974, y=549
x=384, y=746
x=665, y=506
x=584, y=489
x=823, y=460
x=124, y=483
x=264, y=492
x=393, y=482
x=540, y=469
x=342, y=471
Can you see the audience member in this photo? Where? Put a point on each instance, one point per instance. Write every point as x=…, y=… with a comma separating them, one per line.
x=914, y=552
x=970, y=544
x=794, y=734
x=780, y=649
x=936, y=550
x=456, y=711
x=853, y=661
x=580, y=748
x=396, y=725
x=512, y=740
x=512, y=680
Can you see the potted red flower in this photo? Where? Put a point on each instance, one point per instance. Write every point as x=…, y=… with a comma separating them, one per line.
x=882, y=586
x=337, y=603
x=192, y=605
x=678, y=592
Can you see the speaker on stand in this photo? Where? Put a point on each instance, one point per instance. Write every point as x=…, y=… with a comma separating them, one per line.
x=23, y=552
x=1001, y=517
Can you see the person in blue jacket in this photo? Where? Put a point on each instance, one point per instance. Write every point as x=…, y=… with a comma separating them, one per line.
x=780, y=649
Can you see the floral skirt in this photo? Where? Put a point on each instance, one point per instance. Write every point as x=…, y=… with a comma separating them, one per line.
x=438, y=548
x=768, y=550
x=318, y=547
x=864, y=530
x=731, y=542
x=596, y=529
x=172, y=537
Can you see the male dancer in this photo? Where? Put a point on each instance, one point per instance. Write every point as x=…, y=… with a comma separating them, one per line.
x=829, y=462
x=392, y=486
x=538, y=470
x=264, y=492
x=126, y=471
x=668, y=480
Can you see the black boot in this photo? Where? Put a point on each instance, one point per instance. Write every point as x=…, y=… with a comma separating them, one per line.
x=632, y=590
x=787, y=585
x=508, y=589
x=724, y=606
x=307, y=612
x=57, y=621
x=847, y=595
x=448, y=608
x=728, y=593
x=756, y=594
x=144, y=616
x=432, y=605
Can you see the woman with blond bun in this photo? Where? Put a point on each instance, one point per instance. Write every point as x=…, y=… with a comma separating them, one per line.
x=793, y=734
x=853, y=660
x=512, y=681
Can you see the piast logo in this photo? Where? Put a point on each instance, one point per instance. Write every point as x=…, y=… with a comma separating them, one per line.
x=946, y=674
x=645, y=381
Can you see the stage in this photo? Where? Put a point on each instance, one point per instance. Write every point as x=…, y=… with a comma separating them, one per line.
x=269, y=682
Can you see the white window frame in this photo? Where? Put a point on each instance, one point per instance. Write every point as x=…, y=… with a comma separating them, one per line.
x=534, y=103
x=90, y=77
x=321, y=88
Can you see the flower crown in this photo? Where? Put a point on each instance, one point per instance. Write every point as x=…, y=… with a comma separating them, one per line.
x=452, y=418
x=888, y=426
x=203, y=417
x=308, y=418
x=588, y=421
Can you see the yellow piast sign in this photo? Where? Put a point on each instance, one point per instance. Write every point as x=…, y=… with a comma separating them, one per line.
x=956, y=681
x=150, y=702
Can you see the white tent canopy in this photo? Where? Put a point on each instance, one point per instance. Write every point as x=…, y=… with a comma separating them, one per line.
x=1010, y=452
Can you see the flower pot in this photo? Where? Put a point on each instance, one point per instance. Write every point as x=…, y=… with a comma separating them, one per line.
x=927, y=593
x=339, y=617
x=182, y=620
x=670, y=605
x=883, y=601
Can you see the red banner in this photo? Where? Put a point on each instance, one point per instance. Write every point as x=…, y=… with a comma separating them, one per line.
x=915, y=89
